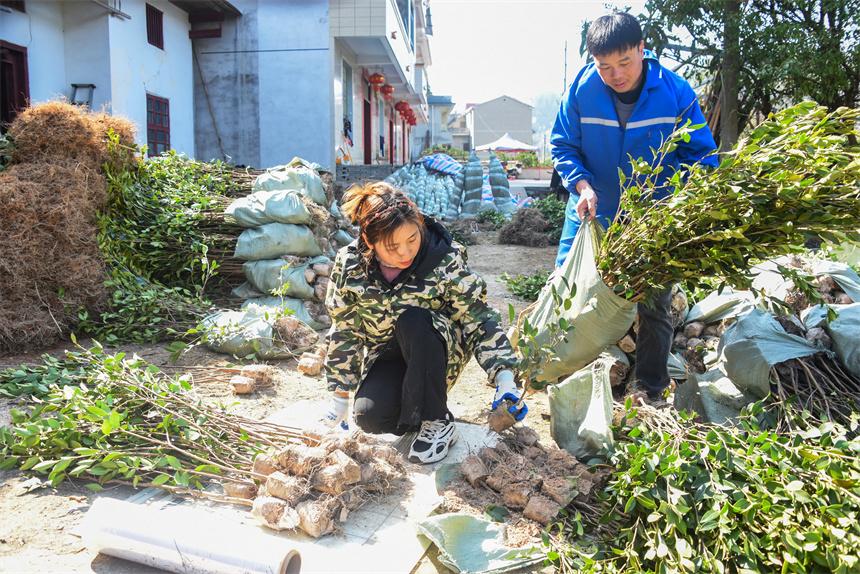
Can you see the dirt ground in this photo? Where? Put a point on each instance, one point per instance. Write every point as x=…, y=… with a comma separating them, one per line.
x=36, y=530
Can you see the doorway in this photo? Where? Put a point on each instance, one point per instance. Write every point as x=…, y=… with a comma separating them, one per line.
x=15, y=91
x=391, y=139
x=366, y=129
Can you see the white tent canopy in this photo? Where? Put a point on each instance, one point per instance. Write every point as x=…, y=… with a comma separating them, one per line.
x=506, y=143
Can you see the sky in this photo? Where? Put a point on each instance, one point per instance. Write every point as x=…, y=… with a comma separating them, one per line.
x=482, y=49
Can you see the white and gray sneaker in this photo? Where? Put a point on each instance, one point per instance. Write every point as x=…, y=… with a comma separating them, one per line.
x=431, y=444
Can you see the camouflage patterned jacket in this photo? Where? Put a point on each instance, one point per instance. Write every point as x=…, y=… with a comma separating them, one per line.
x=364, y=308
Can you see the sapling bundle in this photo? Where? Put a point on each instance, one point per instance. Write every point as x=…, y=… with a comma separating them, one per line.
x=523, y=483
x=792, y=177
x=111, y=419
x=688, y=497
x=116, y=420
x=316, y=487
x=818, y=385
x=165, y=219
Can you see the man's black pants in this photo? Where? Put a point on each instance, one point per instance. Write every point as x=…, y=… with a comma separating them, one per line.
x=407, y=383
x=653, y=344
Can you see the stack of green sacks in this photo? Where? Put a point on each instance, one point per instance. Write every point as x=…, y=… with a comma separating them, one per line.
x=472, y=184
x=500, y=186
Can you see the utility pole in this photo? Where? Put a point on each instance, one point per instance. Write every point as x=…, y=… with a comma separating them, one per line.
x=564, y=85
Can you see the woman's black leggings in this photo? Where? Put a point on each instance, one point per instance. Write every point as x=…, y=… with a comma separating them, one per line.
x=407, y=382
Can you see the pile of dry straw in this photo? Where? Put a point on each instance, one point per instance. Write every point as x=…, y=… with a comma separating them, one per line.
x=50, y=264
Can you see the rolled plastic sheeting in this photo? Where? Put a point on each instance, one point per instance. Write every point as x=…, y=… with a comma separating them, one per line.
x=172, y=539
x=473, y=179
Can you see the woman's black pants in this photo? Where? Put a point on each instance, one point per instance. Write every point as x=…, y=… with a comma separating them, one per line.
x=407, y=383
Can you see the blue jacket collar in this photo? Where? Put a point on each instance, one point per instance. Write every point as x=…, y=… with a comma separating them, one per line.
x=654, y=74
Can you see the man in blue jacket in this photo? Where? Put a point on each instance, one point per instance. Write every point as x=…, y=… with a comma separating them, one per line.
x=622, y=105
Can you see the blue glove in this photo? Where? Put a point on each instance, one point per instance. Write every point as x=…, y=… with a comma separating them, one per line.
x=506, y=390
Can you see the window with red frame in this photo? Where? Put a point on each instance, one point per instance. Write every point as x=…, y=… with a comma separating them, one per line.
x=157, y=125
x=154, y=26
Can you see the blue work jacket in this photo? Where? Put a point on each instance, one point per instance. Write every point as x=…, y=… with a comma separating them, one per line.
x=589, y=143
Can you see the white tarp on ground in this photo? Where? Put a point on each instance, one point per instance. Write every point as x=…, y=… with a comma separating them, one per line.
x=507, y=143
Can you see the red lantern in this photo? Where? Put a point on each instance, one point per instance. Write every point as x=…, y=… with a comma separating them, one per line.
x=401, y=106
x=376, y=80
x=387, y=90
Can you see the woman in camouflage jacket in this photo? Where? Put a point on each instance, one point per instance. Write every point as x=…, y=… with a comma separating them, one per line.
x=407, y=315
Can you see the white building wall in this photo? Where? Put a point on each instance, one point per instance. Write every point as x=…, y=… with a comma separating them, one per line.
x=40, y=30
x=399, y=45
x=138, y=68
x=358, y=17
x=296, y=87
x=87, y=50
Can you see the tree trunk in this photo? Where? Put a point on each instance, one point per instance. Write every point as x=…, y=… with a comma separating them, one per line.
x=730, y=71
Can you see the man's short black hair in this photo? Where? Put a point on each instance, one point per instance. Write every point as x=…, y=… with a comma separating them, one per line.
x=613, y=33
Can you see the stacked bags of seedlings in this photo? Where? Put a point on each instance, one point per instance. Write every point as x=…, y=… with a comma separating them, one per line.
x=473, y=181
x=435, y=194
x=500, y=187
x=455, y=199
x=297, y=175
x=287, y=247
x=51, y=269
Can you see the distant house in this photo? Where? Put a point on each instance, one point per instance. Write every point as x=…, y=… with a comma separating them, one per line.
x=132, y=58
x=435, y=132
x=491, y=120
x=460, y=136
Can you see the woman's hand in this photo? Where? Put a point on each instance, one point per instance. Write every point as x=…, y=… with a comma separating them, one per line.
x=506, y=390
x=337, y=409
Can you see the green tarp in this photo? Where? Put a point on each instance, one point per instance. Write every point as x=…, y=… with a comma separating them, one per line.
x=844, y=331
x=473, y=545
x=755, y=343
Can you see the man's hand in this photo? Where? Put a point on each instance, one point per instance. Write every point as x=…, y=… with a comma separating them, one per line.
x=587, y=203
x=506, y=390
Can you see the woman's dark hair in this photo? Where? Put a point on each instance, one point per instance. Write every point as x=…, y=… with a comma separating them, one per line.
x=378, y=209
x=613, y=33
